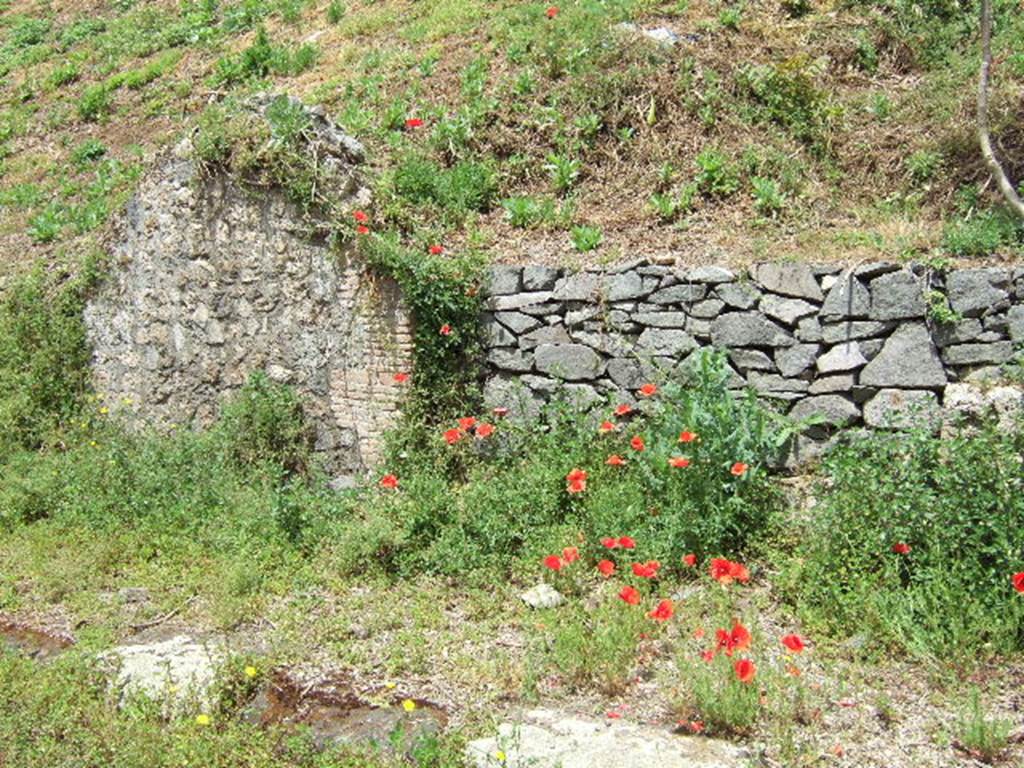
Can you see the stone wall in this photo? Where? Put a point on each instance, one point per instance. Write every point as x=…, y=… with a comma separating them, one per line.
x=210, y=283
x=856, y=345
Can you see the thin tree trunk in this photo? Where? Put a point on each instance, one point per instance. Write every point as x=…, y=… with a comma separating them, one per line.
x=1005, y=185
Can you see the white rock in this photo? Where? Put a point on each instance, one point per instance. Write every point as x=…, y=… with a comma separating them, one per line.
x=173, y=670
x=542, y=596
x=550, y=739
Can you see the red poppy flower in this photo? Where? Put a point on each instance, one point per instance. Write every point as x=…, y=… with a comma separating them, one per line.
x=698, y=633
x=740, y=636
x=606, y=567
x=795, y=643
x=401, y=378
x=739, y=468
x=696, y=726
x=646, y=570
x=687, y=437
x=615, y=460
x=466, y=423
x=436, y=250
x=552, y=11
x=745, y=670
x=484, y=430
x=648, y=390
x=362, y=229
x=679, y=462
x=570, y=554
x=663, y=612
x=725, y=571
x=613, y=715
x=389, y=481
x=554, y=562
x=609, y=543
x=413, y=122
x=901, y=548
x=630, y=595
x=500, y=412
x=622, y=409
x=637, y=443
x=690, y=560
x=1018, y=581
x=360, y=216
x=576, y=481
x=708, y=656
x=627, y=542
x=452, y=436
x=446, y=330
x=606, y=427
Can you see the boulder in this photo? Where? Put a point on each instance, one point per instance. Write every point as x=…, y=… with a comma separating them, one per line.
x=975, y=292
x=504, y=279
x=848, y=298
x=908, y=359
x=748, y=329
x=789, y=279
x=573, y=362
x=842, y=357
x=897, y=296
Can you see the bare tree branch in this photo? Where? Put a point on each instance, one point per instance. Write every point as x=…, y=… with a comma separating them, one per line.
x=1005, y=185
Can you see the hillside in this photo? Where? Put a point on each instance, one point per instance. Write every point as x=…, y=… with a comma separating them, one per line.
x=825, y=131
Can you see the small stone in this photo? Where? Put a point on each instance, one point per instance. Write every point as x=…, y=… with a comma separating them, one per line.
x=578, y=316
x=834, y=410
x=897, y=296
x=956, y=333
x=842, y=357
x=712, y=275
x=548, y=334
x=707, y=309
x=666, y=342
x=539, y=278
x=542, y=596
x=770, y=382
x=848, y=298
x=833, y=333
x=518, y=300
x=788, y=311
x=504, y=279
x=1015, y=323
x=831, y=384
x=976, y=354
x=517, y=322
x=908, y=359
x=573, y=362
x=975, y=292
x=627, y=285
x=791, y=279
x=738, y=295
x=679, y=294
x=582, y=286
x=748, y=329
x=508, y=359
x=875, y=268
x=625, y=373
x=793, y=361
x=751, y=360
x=497, y=335
x=809, y=329
x=664, y=319
x=133, y=595
x=902, y=408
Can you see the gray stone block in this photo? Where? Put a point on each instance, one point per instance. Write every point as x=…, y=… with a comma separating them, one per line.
x=771, y=382
x=848, y=298
x=666, y=342
x=792, y=279
x=945, y=334
x=549, y=334
x=795, y=360
x=842, y=357
x=909, y=359
x=830, y=384
x=1015, y=323
x=707, y=309
x=788, y=311
x=538, y=278
x=897, y=296
x=504, y=279
x=683, y=293
x=748, y=329
x=582, y=286
x=974, y=292
x=834, y=410
x=625, y=285
x=578, y=316
x=978, y=354
x=833, y=333
x=572, y=362
x=738, y=295
x=710, y=274
x=510, y=359
x=809, y=329
x=666, y=319
x=517, y=322
x=751, y=360
x=518, y=300
x=625, y=373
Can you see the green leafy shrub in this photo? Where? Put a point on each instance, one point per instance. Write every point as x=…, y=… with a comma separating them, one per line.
x=43, y=356
x=983, y=736
x=463, y=188
x=957, y=503
x=263, y=58
x=787, y=94
x=768, y=198
x=482, y=502
x=585, y=238
x=716, y=176
x=265, y=424
x=984, y=233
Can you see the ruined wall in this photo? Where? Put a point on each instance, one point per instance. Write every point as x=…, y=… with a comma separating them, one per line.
x=210, y=283
x=854, y=346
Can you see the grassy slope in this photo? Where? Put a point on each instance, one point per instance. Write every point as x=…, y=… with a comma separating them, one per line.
x=873, y=162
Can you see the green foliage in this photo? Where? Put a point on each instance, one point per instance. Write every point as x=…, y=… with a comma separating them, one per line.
x=63, y=74
x=716, y=175
x=768, y=198
x=958, y=503
x=465, y=187
x=940, y=310
x=335, y=12
x=984, y=737
x=87, y=152
x=43, y=357
x=440, y=290
x=94, y=102
x=263, y=58
x=922, y=165
x=265, y=425
x=787, y=94
x=525, y=212
x=585, y=238
x=725, y=705
x=564, y=171
x=984, y=232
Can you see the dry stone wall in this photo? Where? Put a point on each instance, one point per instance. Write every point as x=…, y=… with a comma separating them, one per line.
x=210, y=283
x=851, y=346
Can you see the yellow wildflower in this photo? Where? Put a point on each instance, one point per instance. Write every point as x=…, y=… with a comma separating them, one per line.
x=104, y=410
x=251, y=672
x=203, y=719
x=390, y=685
x=499, y=756
x=408, y=705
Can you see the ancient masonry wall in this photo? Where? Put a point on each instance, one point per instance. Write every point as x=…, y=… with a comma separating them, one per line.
x=211, y=283
x=854, y=346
